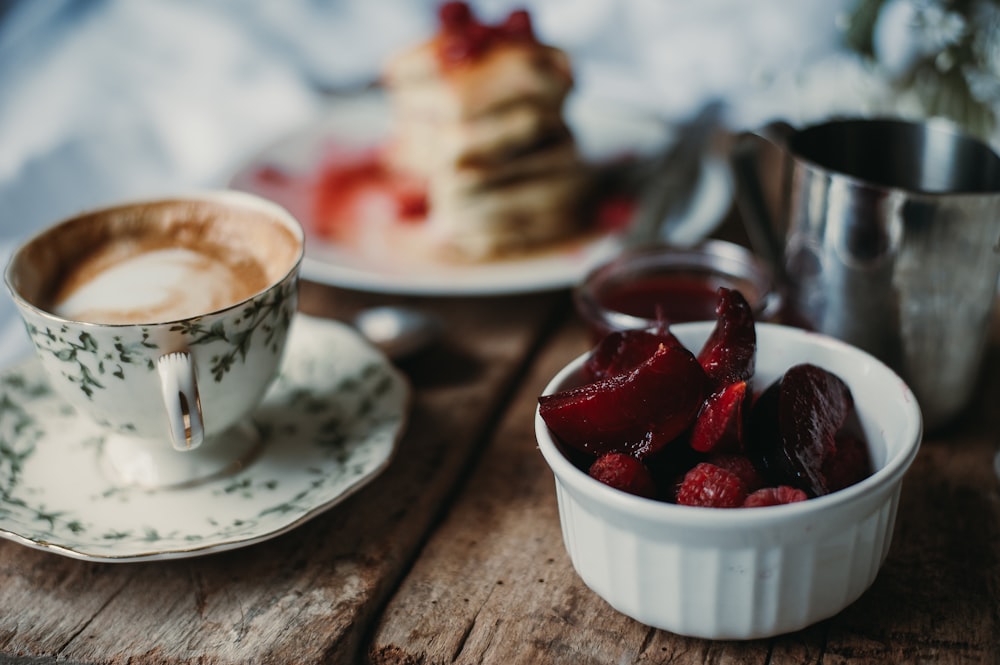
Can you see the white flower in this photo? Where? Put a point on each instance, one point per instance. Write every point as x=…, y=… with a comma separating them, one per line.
x=986, y=39
x=908, y=31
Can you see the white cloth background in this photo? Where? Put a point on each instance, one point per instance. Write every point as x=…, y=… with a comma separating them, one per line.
x=109, y=100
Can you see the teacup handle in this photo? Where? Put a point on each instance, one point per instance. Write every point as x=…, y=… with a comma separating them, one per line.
x=180, y=397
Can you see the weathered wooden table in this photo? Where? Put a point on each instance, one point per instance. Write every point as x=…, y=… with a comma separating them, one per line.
x=454, y=553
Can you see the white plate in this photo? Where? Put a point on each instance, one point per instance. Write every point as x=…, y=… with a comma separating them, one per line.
x=331, y=423
x=287, y=173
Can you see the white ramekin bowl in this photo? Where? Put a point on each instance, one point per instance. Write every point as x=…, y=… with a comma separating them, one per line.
x=744, y=573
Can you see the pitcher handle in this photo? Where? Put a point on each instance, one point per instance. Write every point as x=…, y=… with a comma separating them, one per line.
x=759, y=222
x=180, y=397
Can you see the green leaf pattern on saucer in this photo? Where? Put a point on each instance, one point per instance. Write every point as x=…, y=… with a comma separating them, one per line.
x=330, y=423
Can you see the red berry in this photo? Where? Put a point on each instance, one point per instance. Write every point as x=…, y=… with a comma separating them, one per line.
x=454, y=15
x=625, y=473
x=411, y=205
x=614, y=213
x=741, y=466
x=466, y=45
x=271, y=175
x=517, y=27
x=774, y=496
x=711, y=486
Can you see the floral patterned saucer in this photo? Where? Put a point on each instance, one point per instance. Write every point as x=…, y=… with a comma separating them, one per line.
x=330, y=423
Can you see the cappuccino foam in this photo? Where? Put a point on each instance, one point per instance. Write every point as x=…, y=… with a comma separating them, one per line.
x=157, y=285
x=156, y=262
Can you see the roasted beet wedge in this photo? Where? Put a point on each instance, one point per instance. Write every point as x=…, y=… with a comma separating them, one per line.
x=720, y=423
x=728, y=357
x=794, y=427
x=850, y=462
x=623, y=351
x=636, y=412
x=729, y=353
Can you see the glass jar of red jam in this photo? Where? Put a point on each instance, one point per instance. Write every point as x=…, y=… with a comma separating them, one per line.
x=642, y=286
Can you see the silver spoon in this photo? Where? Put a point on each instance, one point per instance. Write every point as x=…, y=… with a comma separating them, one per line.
x=398, y=331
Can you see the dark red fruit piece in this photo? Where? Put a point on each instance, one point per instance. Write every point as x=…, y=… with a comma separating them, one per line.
x=728, y=354
x=412, y=205
x=625, y=473
x=623, y=351
x=794, y=424
x=850, y=463
x=637, y=412
x=741, y=466
x=517, y=27
x=670, y=464
x=720, y=423
x=454, y=15
x=774, y=496
x=711, y=486
x=468, y=44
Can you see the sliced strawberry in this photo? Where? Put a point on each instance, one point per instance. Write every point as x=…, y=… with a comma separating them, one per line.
x=711, y=486
x=729, y=353
x=720, y=423
x=625, y=473
x=774, y=496
x=636, y=412
x=623, y=351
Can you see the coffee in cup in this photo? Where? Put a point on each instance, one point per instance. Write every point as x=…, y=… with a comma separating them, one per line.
x=165, y=321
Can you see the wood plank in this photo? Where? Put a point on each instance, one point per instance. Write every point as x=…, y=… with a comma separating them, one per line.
x=307, y=596
x=495, y=584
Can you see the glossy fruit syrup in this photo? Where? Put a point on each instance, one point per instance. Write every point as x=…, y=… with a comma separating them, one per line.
x=674, y=296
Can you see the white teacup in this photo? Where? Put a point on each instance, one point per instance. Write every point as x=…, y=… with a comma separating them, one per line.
x=165, y=321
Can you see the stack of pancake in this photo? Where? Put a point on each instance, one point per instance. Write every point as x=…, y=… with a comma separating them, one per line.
x=478, y=113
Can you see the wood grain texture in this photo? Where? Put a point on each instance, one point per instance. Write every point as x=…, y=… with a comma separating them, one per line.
x=307, y=596
x=495, y=585
x=454, y=554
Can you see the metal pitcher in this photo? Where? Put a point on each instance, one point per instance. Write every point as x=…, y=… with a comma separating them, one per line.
x=887, y=235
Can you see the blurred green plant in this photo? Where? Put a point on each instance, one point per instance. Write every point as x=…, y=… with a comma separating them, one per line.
x=946, y=53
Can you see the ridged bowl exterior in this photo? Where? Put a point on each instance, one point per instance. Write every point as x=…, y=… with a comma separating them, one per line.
x=745, y=573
